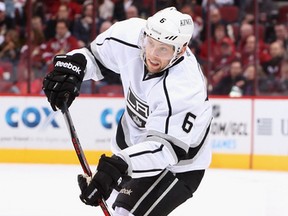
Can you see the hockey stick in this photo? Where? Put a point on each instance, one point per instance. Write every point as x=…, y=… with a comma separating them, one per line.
x=80, y=153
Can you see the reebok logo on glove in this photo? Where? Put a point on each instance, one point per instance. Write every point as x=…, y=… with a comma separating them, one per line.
x=68, y=66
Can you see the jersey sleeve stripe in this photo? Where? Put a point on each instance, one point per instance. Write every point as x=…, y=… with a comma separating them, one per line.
x=168, y=103
x=119, y=41
x=176, y=151
x=145, y=171
x=147, y=152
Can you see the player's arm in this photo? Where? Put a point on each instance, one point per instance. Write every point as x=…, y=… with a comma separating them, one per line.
x=64, y=82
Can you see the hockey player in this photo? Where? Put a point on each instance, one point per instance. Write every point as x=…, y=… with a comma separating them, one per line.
x=160, y=150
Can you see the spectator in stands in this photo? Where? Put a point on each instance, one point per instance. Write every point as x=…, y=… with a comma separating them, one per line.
x=53, y=7
x=246, y=29
x=121, y=7
x=37, y=65
x=14, y=10
x=83, y=26
x=38, y=25
x=6, y=22
x=270, y=83
x=106, y=8
x=9, y=49
x=265, y=9
x=249, y=27
x=22, y=10
x=215, y=20
x=266, y=6
x=63, y=42
x=149, y=8
x=272, y=67
x=248, y=18
x=131, y=11
x=248, y=52
x=272, y=21
x=38, y=9
x=243, y=6
x=215, y=77
x=226, y=55
x=104, y=26
x=281, y=34
x=11, y=6
x=62, y=14
x=250, y=80
x=215, y=44
x=233, y=83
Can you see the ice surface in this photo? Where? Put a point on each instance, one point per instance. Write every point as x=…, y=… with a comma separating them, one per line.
x=51, y=190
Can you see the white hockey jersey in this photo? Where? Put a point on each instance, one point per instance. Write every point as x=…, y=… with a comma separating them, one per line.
x=167, y=115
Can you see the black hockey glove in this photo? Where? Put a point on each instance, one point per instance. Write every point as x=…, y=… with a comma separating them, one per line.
x=109, y=175
x=63, y=83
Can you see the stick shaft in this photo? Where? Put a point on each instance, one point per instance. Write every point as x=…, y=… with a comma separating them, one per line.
x=80, y=153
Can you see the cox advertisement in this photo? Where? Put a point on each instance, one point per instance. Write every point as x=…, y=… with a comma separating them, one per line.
x=29, y=122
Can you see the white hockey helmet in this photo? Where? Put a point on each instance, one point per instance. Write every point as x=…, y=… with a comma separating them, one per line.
x=171, y=27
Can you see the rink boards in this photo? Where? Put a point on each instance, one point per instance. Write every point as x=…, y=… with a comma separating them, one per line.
x=245, y=133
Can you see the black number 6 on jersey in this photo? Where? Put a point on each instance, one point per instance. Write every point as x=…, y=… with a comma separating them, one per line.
x=188, y=122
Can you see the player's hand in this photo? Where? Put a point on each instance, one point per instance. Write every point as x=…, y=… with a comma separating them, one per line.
x=110, y=172
x=63, y=83
x=89, y=192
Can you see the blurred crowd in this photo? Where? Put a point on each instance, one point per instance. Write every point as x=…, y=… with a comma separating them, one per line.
x=240, y=53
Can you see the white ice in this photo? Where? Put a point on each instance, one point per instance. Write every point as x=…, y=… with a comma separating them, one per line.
x=51, y=190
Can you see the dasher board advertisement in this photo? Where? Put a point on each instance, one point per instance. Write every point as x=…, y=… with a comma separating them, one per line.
x=271, y=127
x=29, y=122
x=231, y=127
